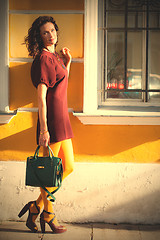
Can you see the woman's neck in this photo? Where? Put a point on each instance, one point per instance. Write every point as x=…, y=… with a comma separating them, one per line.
x=50, y=48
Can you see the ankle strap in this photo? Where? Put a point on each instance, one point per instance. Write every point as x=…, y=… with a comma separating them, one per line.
x=38, y=209
x=44, y=211
x=48, y=212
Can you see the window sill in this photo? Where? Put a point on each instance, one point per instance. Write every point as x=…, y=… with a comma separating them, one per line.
x=5, y=117
x=121, y=116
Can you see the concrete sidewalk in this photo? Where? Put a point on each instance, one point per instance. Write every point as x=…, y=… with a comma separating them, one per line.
x=18, y=231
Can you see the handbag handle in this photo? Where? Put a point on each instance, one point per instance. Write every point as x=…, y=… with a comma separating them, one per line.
x=37, y=152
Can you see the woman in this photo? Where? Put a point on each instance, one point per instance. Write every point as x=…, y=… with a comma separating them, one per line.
x=50, y=76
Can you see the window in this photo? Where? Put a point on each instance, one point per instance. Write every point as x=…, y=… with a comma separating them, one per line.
x=138, y=85
x=129, y=52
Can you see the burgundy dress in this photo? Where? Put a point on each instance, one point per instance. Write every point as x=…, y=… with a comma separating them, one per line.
x=48, y=69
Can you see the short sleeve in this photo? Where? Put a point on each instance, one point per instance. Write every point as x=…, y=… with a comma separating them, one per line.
x=43, y=71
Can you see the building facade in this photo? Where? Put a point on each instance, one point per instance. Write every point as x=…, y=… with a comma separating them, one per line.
x=113, y=103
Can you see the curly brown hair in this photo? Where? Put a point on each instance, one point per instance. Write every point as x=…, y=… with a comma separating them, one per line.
x=33, y=40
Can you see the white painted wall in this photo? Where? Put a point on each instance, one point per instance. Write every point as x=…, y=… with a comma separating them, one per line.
x=94, y=192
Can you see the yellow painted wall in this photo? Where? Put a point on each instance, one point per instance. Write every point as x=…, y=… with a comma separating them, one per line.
x=46, y=5
x=91, y=143
x=137, y=144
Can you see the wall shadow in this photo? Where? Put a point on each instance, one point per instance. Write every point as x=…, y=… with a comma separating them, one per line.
x=22, y=141
x=140, y=211
x=22, y=91
x=130, y=199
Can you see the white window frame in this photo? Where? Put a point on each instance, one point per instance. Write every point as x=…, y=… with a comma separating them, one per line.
x=91, y=113
x=5, y=113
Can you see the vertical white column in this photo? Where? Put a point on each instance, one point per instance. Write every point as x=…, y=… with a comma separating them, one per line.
x=4, y=55
x=90, y=56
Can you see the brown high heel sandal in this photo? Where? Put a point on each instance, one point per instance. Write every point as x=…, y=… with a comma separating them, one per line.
x=55, y=229
x=29, y=223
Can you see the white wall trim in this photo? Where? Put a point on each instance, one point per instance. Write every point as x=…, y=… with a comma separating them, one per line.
x=5, y=117
x=117, y=120
x=121, y=116
x=23, y=109
x=77, y=60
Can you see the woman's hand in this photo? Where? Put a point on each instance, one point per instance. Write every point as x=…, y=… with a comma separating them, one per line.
x=66, y=53
x=44, y=139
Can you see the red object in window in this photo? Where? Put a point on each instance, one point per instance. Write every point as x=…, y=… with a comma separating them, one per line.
x=114, y=85
x=121, y=86
x=108, y=85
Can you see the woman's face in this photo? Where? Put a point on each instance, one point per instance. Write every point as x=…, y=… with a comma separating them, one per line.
x=48, y=34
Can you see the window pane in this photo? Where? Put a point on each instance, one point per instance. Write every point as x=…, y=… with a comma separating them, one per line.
x=115, y=62
x=155, y=5
x=135, y=20
x=154, y=20
x=131, y=20
x=115, y=4
x=141, y=20
x=100, y=14
x=134, y=62
x=115, y=20
x=154, y=62
x=135, y=5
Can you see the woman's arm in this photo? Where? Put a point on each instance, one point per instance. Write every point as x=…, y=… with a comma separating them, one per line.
x=42, y=110
x=68, y=57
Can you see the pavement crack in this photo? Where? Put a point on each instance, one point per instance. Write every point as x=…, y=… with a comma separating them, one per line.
x=139, y=231
x=91, y=232
x=41, y=236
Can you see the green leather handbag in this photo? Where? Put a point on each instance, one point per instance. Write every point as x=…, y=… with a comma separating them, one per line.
x=44, y=172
